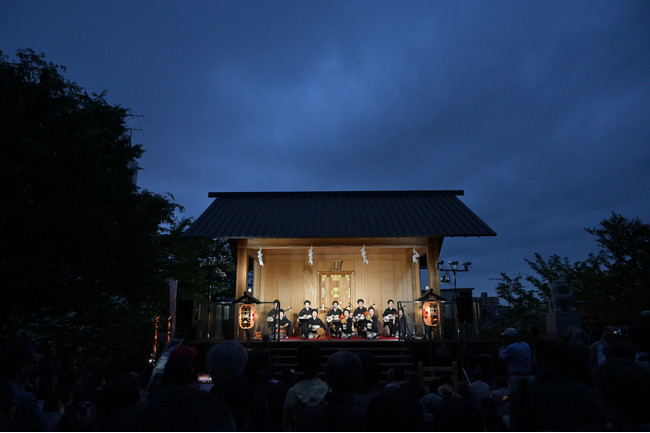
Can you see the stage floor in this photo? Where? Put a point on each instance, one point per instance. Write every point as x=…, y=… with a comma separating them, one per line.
x=329, y=338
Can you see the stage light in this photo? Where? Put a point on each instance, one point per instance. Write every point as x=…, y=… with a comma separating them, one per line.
x=466, y=265
x=441, y=263
x=454, y=265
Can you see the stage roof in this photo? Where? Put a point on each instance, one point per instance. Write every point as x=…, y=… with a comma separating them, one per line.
x=337, y=214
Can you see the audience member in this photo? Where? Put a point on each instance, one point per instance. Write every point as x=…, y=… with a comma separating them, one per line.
x=639, y=335
x=308, y=392
x=225, y=364
x=578, y=350
x=7, y=405
x=492, y=419
x=394, y=409
x=179, y=369
x=517, y=355
x=500, y=395
x=458, y=414
x=624, y=393
x=370, y=379
x=344, y=373
x=80, y=417
x=184, y=409
x=609, y=335
x=478, y=389
x=53, y=409
x=118, y=399
x=17, y=359
x=396, y=377
x=256, y=372
x=553, y=399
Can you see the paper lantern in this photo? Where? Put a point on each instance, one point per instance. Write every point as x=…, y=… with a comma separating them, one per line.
x=246, y=316
x=430, y=313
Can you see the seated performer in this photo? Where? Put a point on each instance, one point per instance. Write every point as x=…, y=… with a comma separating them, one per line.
x=314, y=324
x=281, y=324
x=371, y=328
x=270, y=318
x=347, y=328
x=333, y=319
x=303, y=317
x=389, y=316
x=358, y=317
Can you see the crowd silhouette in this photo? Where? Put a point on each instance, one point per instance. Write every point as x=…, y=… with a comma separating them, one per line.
x=576, y=382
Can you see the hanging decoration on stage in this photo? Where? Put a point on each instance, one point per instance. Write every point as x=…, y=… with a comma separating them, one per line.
x=430, y=313
x=363, y=255
x=259, y=257
x=336, y=292
x=246, y=316
x=415, y=255
x=311, y=255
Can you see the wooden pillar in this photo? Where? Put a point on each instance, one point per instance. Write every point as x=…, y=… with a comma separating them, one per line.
x=433, y=254
x=417, y=311
x=242, y=267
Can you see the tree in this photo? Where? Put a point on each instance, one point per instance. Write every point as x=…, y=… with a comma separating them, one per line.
x=523, y=307
x=82, y=248
x=614, y=282
x=583, y=277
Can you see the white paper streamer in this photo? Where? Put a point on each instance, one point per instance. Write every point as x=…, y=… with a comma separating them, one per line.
x=363, y=255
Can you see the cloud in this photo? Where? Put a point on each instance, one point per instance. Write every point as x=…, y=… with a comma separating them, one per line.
x=537, y=110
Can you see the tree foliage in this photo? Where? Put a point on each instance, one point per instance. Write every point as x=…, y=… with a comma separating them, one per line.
x=85, y=254
x=613, y=282
x=523, y=307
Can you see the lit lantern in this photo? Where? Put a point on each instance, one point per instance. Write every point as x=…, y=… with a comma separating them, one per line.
x=430, y=313
x=246, y=316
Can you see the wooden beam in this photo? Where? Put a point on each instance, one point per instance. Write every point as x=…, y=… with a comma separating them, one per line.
x=242, y=267
x=433, y=254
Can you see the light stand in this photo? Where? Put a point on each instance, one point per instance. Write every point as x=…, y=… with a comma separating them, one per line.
x=453, y=268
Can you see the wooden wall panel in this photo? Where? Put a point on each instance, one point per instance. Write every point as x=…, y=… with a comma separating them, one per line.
x=288, y=276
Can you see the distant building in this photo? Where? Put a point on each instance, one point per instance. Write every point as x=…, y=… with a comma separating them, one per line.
x=489, y=304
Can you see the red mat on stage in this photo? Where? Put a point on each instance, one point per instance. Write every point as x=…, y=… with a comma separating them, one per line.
x=329, y=338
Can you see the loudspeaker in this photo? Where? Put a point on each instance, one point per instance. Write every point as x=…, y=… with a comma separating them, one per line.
x=465, y=308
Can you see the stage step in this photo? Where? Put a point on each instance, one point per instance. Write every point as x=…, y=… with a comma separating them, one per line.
x=389, y=354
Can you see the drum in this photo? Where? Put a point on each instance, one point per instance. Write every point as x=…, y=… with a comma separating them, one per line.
x=283, y=333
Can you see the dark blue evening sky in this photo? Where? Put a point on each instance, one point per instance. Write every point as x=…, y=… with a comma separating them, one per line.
x=540, y=111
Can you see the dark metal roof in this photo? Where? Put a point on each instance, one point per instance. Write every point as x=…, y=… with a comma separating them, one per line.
x=337, y=214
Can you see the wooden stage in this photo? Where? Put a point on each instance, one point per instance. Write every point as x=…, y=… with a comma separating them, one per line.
x=390, y=352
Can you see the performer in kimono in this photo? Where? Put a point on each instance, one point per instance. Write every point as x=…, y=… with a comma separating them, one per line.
x=333, y=319
x=303, y=317
x=371, y=328
x=282, y=324
x=358, y=317
x=389, y=317
x=347, y=326
x=314, y=324
x=271, y=317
